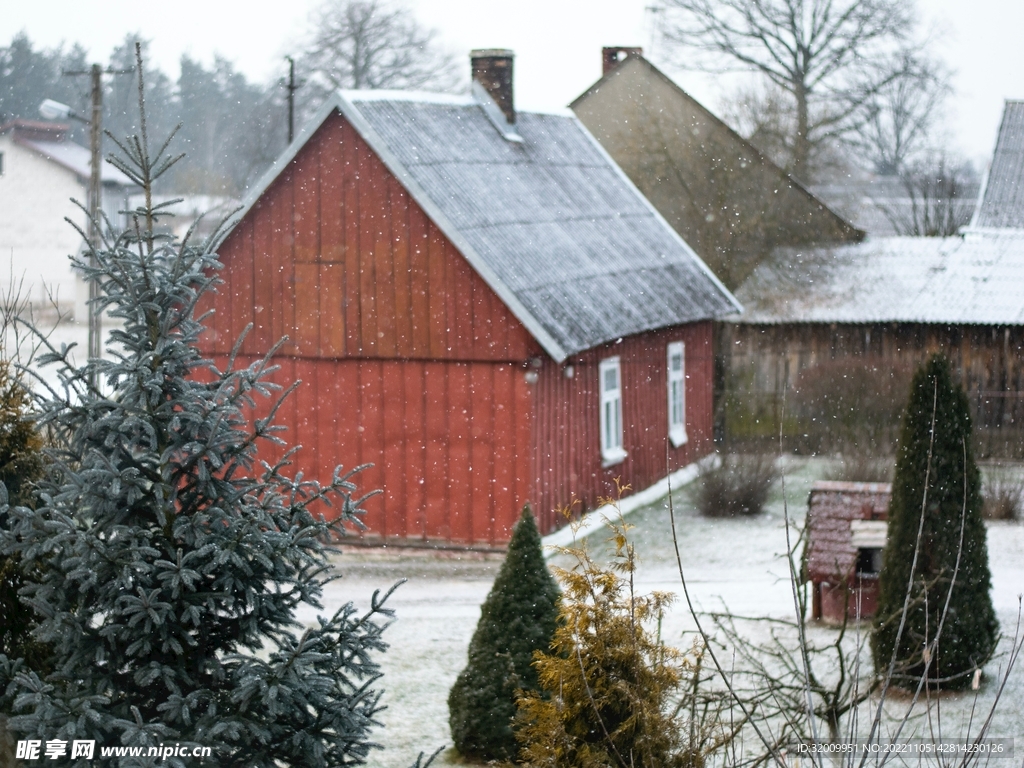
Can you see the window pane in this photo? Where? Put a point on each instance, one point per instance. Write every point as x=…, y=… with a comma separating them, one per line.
x=611, y=379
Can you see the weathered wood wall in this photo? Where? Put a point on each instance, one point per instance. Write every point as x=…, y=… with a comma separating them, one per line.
x=765, y=360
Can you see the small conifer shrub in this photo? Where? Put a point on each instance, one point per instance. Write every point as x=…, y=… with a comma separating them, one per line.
x=936, y=476
x=168, y=562
x=21, y=466
x=608, y=684
x=517, y=619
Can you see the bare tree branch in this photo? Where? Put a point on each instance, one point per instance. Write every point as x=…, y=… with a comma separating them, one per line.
x=832, y=59
x=374, y=44
x=937, y=198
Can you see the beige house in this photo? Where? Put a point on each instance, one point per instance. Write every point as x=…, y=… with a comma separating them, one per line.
x=728, y=201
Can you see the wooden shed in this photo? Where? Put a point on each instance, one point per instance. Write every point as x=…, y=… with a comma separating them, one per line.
x=846, y=533
x=886, y=304
x=478, y=303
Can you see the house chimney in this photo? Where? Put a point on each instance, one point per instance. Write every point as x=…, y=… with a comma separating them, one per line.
x=492, y=68
x=612, y=56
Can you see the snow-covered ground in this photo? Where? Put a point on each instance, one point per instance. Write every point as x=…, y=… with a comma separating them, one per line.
x=735, y=562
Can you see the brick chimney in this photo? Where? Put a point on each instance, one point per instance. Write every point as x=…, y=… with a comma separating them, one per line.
x=612, y=56
x=492, y=68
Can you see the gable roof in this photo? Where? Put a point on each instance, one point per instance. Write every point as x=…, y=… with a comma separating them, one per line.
x=699, y=171
x=48, y=139
x=548, y=220
x=1002, y=201
x=974, y=279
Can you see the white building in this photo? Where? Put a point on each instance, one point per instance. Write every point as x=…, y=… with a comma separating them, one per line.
x=40, y=172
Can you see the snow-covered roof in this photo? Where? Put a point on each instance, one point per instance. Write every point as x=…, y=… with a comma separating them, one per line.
x=541, y=212
x=1002, y=202
x=977, y=278
x=76, y=158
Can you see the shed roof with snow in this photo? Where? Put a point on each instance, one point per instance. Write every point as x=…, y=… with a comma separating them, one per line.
x=976, y=279
x=1002, y=201
x=539, y=210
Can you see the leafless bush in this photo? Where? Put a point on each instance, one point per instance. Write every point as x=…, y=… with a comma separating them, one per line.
x=1003, y=494
x=739, y=487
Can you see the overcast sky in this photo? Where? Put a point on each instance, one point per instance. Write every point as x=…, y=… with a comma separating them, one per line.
x=557, y=42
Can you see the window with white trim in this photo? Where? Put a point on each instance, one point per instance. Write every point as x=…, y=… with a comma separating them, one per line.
x=610, y=376
x=677, y=393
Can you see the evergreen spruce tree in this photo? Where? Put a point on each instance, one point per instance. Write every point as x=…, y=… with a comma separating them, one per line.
x=170, y=563
x=970, y=629
x=516, y=620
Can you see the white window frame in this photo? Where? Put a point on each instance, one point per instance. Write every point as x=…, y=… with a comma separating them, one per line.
x=612, y=451
x=677, y=394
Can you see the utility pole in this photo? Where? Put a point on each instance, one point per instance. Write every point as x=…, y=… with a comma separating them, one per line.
x=292, y=88
x=95, y=73
x=95, y=190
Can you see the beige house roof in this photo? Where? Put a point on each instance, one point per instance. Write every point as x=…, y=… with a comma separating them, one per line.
x=727, y=200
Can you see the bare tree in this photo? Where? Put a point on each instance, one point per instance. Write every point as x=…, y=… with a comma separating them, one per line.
x=938, y=198
x=898, y=119
x=830, y=58
x=373, y=44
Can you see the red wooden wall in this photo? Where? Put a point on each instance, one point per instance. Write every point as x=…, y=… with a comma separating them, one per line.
x=450, y=442
x=566, y=433
x=336, y=255
x=410, y=362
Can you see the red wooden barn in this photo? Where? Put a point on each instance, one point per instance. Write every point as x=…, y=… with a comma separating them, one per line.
x=846, y=533
x=478, y=302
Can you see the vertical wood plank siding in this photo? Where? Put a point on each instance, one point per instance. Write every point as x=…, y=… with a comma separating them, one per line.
x=339, y=258
x=411, y=363
x=566, y=439
x=442, y=438
x=986, y=357
x=767, y=360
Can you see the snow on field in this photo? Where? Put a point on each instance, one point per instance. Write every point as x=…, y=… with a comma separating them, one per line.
x=733, y=562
